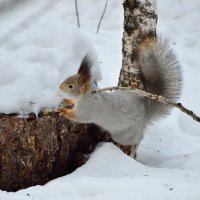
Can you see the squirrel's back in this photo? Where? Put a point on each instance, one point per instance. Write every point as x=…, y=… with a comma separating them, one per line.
x=160, y=73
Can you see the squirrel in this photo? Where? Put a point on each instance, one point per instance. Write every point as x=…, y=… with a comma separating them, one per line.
x=124, y=114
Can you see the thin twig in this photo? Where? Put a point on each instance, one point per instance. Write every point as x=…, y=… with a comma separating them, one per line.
x=77, y=14
x=154, y=97
x=102, y=16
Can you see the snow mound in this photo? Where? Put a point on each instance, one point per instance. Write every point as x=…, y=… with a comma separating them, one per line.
x=118, y=178
x=36, y=61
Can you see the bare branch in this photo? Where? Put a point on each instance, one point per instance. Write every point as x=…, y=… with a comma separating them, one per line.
x=154, y=97
x=102, y=16
x=77, y=14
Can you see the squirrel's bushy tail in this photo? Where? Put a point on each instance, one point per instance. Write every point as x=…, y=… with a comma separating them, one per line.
x=160, y=73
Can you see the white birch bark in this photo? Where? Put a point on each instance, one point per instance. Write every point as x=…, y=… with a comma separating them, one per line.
x=140, y=17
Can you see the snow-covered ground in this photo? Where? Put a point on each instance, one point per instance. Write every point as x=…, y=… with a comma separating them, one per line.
x=40, y=46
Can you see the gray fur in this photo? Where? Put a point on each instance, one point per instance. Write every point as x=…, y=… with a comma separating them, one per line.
x=116, y=112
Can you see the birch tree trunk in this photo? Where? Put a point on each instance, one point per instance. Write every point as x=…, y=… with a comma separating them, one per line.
x=140, y=19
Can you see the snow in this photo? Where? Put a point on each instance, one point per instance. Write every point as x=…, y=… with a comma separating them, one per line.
x=39, y=58
x=103, y=178
x=40, y=46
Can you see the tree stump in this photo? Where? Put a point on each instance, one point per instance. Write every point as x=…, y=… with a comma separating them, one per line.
x=36, y=150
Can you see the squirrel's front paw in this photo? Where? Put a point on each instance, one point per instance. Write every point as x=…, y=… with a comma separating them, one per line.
x=60, y=110
x=70, y=114
x=68, y=103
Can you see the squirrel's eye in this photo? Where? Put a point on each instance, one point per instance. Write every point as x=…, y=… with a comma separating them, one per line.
x=70, y=86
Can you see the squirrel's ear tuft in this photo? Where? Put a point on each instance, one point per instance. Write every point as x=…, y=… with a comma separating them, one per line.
x=85, y=67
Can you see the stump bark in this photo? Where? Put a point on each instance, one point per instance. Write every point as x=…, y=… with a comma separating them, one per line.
x=36, y=150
